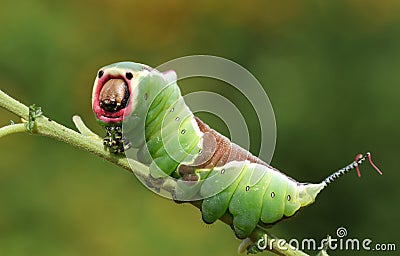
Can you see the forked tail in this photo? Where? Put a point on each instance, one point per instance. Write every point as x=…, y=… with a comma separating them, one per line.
x=354, y=165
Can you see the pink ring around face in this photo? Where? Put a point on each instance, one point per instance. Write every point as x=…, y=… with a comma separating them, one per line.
x=105, y=116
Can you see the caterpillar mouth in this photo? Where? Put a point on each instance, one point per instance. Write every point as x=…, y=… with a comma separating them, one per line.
x=111, y=99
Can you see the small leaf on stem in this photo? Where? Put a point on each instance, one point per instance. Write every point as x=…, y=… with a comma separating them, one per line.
x=34, y=112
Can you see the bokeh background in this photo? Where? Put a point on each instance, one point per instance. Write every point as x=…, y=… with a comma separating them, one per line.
x=331, y=70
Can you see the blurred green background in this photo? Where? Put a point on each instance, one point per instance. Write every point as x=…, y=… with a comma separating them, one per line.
x=331, y=70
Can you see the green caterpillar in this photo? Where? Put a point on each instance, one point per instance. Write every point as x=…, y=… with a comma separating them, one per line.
x=173, y=142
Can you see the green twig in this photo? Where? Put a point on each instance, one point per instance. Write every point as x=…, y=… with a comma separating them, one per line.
x=12, y=128
x=13, y=106
x=82, y=128
x=36, y=123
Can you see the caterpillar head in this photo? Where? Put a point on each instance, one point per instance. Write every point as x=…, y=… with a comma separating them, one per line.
x=123, y=93
x=118, y=86
x=113, y=91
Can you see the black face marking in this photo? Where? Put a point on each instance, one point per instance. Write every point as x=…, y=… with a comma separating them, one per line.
x=129, y=75
x=101, y=73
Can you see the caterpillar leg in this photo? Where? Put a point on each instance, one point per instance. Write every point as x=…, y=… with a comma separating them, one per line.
x=114, y=140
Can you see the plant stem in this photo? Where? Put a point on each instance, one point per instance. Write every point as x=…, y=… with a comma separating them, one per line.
x=10, y=129
x=13, y=105
x=89, y=141
x=82, y=128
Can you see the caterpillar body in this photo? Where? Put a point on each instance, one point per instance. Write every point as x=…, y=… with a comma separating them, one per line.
x=173, y=142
